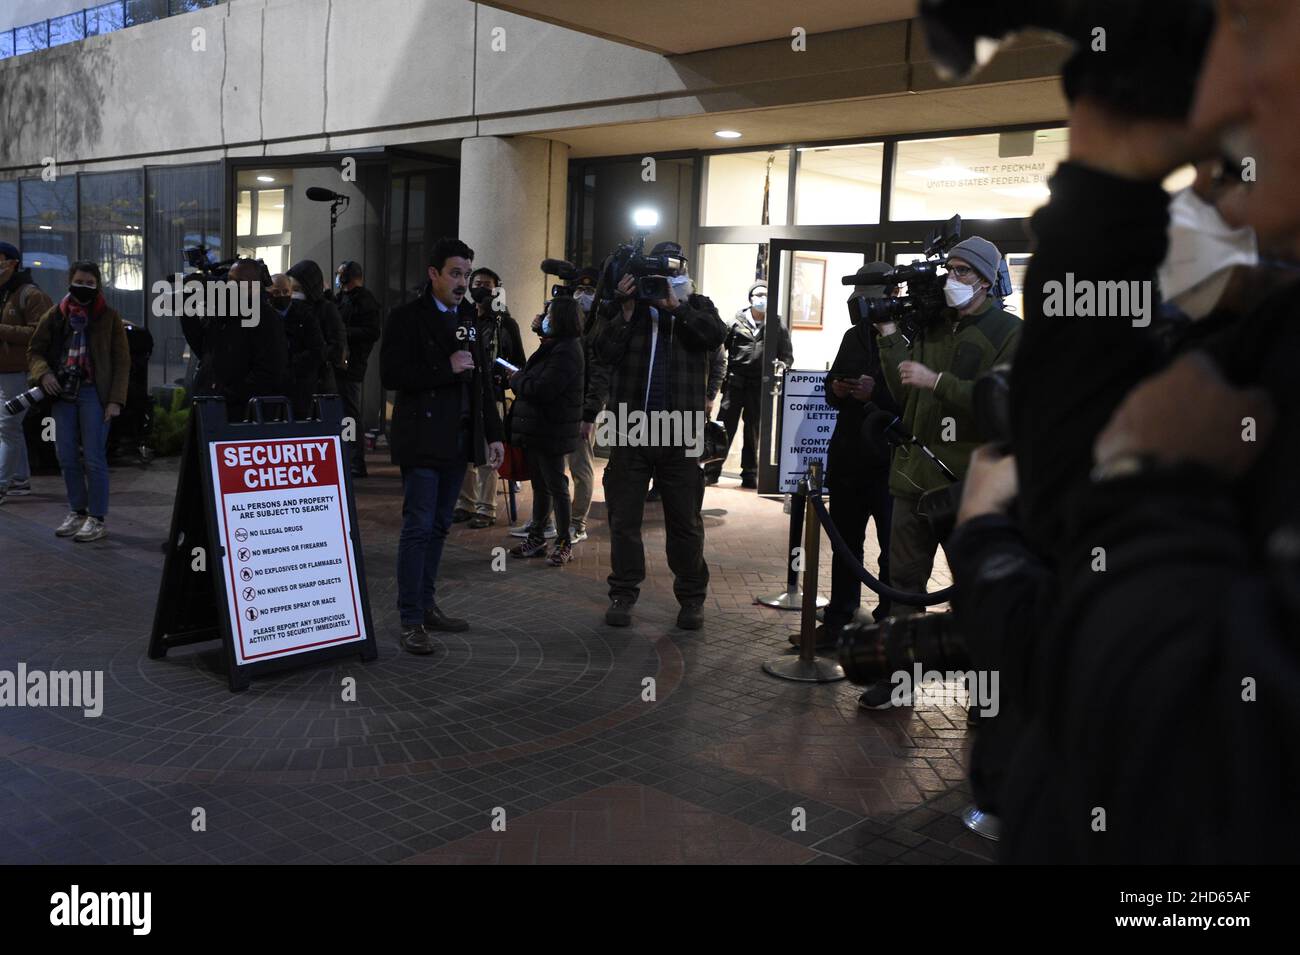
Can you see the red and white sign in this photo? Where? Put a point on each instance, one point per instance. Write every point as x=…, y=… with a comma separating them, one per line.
x=282, y=517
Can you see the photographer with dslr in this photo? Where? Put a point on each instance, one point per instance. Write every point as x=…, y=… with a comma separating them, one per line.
x=658, y=339
x=22, y=303
x=79, y=354
x=933, y=377
x=1160, y=495
x=499, y=337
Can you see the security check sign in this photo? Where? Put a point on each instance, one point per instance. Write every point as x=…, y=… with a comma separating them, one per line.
x=283, y=522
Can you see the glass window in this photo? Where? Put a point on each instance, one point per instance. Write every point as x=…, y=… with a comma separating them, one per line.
x=838, y=185
x=244, y=213
x=105, y=18
x=270, y=211
x=33, y=37
x=6, y=44
x=813, y=294
x=49, y=231
x=739, y=187
x=993, y=176
x=616, y=191
x=183, y=209
x=67, y=29
x=9, y=213
x=143, y=11
x=112, y=234
x=188, y=6
x=726, y=273
x=272, y=255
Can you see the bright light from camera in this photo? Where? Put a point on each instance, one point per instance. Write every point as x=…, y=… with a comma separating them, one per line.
x=727, y=134
x=645, y=218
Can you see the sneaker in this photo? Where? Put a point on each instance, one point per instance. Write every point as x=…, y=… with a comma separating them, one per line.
x=711, y=479
x=20, y=488
x=690, y=618
x=460, y=516
x=71, y=525
x=561, y=555
x=529, y=548
x=480, y=521
x=527, y=529
x=619, y=613
x=749, y=482
x=92, y=530
x=880, y=696
x=577, y=535
x=416, y=640
x=825, y=639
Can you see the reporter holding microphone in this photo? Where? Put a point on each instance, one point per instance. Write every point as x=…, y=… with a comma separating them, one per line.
x=445, y=417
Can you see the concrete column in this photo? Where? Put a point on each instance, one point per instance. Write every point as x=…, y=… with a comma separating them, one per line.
x=512, y=214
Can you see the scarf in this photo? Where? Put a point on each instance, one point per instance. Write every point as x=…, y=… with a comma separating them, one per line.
x=77, y=359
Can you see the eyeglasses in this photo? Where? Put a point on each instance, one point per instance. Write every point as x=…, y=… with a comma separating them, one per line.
x=961, y=271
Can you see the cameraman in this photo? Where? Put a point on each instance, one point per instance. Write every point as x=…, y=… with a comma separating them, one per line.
x=658, y=353
x=1164, y=691
x=499, y=337
x=933, y=377
x=238, y=362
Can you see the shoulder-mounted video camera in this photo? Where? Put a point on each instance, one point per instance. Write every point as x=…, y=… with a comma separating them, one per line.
x=650, y=271
x=924, y=302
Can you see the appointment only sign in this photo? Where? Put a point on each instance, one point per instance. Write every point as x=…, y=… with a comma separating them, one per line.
x=283, y=522
x=807, y=423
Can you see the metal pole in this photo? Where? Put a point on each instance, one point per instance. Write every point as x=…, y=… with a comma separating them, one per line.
x=792, y=597
x=807, y=667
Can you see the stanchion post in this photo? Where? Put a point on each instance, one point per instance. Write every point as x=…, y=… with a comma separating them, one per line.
x=792, y=597
x=807, y=667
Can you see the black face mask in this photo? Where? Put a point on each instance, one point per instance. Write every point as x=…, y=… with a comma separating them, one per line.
x=83, y=294
x=480, y=294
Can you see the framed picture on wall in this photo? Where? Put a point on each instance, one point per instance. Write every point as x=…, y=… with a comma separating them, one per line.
x=807, y=291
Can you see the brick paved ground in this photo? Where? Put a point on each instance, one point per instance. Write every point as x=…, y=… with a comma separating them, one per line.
x=536, y=711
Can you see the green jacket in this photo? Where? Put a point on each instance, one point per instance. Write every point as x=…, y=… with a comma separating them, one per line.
x=962, y=353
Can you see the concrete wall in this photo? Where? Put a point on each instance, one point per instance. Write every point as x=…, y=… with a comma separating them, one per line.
x=278, y=77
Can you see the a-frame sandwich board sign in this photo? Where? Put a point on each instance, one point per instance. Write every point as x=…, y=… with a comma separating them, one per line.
x=264, y=552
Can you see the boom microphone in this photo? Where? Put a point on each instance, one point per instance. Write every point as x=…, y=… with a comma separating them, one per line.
x=881, y=426
x=559, y=267
x=319, y=194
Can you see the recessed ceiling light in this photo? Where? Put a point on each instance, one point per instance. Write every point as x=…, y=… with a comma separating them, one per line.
x=266, y=179
x=48, y=228
x=727, y=134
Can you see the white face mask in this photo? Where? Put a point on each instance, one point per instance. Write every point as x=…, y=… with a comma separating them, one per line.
x=760, y=303
x=956, y=292
x=299, y=296
x=1203, y=249
x=681, y=285
x=585, y=299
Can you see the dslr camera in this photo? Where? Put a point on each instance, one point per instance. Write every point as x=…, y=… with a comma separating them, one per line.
x=69, y=381
x=924, y=302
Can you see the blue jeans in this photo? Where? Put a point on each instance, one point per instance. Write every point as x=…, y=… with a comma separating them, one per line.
x=427, y=505
x=13, y=446
x=82, y=421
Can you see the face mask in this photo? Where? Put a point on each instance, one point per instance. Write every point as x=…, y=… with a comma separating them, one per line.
x=480, y=294
x=585, y=299
x=299, y=296
x=83, y=294
x=546, y=326
x=956, y=292
x=280, y=302
x=1203, y=249
x=681, y=284
x=760, y=303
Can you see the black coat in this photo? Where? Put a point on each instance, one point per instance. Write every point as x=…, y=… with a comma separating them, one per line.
x=849, y=459
x=547, y=412
x=236, y=362
x=433, y=403
x=306, y=355
x=745, y=350
x=360, y=312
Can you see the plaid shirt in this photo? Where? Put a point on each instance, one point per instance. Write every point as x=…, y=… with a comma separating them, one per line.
x=694, y=335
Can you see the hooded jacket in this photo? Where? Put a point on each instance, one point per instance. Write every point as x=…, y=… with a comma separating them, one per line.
x=745, y=348
x=22, y=303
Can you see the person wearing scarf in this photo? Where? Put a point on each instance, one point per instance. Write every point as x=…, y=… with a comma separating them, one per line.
x=79, y=355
